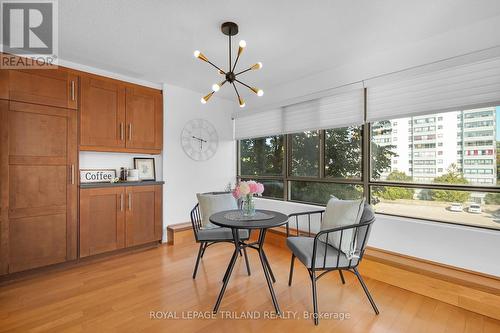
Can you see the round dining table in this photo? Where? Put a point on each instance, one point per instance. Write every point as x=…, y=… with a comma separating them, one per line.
x=262, y=221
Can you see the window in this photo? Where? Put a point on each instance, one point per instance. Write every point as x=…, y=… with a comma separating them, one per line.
x=441, y=205
x=343, y=152
x=412, y=170
x=466, y=174
x=262, y=156
x=262, y=159
x=305, y=154
x=320, y=193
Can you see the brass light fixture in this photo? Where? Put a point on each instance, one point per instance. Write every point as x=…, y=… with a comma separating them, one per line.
x=230, y=29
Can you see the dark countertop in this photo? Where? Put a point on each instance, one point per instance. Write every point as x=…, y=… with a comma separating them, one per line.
x=142, y=183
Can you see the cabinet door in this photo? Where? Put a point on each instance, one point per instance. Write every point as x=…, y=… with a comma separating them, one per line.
x=51, y=87
x=4, y=187
x=144, y=115
x=102, y=220
x=144, y=214
x=41, y=182
x=102, y=113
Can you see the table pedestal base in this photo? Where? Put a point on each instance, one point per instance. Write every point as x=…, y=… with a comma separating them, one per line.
x=268, y=273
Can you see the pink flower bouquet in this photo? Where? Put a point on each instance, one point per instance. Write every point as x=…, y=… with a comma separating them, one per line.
x=248, y=188
x=246, y=191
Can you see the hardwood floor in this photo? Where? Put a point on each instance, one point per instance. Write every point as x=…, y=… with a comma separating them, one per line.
x=119, y=294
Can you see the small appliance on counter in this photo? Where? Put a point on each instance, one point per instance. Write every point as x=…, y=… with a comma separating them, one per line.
x=133, y=175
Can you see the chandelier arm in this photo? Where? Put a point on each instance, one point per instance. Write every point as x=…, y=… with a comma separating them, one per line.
x=246, y=70
x=246, y=85
x=230, y=60
x=235, y=89
x=224, y=73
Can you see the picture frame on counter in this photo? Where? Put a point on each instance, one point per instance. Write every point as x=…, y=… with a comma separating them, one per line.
x=97, y=175
x=146, y=167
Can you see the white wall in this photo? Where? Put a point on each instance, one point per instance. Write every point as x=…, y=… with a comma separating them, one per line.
x=466, y=247
x=183, y=176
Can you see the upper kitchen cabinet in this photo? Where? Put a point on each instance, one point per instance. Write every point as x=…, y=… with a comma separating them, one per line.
x=144, y=114
x=50, y=87
x=120, y=117
x=102, y=113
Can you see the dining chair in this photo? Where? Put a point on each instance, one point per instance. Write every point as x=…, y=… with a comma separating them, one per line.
x=213, y=235
x=320, y=257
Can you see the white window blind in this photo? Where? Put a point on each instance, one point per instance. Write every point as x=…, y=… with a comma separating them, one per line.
x=258, y=124
x=333, y=111
x=337, y=109
x=465, y=86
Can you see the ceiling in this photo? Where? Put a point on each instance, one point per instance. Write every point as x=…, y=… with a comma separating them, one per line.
x=154, y=40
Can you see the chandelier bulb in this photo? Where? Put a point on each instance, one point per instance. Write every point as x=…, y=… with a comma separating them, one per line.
x=205, y=99
x=242, y=102
x=257, y=66
x=215, y=87
x=199, y=55
x=260, y=92
x=243, y=44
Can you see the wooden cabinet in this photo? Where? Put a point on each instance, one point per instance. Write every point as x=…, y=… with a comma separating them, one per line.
x=116, y=217
x=144, y=215
x=102, y=120
x=144, y=119
x=38, y=185
x=51, y=87
x=102, y=220
x=120, y=117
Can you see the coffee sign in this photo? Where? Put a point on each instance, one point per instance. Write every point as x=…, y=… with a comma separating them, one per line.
x=97, y=175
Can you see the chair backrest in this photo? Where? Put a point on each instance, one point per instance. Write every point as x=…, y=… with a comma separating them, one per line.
x=196, y=215
x=361, y=234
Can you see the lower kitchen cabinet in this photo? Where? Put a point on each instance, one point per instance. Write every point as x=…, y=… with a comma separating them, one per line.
x=117, y=217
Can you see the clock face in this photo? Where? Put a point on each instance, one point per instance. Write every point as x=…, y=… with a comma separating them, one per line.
x=199, y=140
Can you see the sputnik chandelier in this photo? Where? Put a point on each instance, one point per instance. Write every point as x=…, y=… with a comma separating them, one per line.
x=230, y=29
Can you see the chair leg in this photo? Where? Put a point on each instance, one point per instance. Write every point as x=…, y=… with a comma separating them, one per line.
x=197, y=260
x=205, y=245
x=246, y=261
x=291, y=270
x=315, y=298
x=372, y=302
x=341, y=276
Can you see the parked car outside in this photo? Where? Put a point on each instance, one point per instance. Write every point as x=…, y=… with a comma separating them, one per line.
x=475, y=208
x=456, y=207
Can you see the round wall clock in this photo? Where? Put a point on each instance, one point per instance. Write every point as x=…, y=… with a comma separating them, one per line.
x=199, y=139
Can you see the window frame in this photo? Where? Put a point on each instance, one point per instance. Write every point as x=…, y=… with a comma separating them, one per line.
x=365, y=180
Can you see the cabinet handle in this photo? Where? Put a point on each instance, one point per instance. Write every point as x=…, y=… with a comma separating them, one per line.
x=121, y=131
x=72, y=90
x=121, y=202
x=130, y=202
x=130, y=132
x=72, y=174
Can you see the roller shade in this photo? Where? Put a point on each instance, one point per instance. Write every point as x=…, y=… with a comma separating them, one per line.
x=338, y=110
x=465, y=86
x=341, y=107
x=258, y=124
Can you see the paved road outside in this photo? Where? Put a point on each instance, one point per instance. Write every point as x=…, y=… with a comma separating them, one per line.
x=490, y=216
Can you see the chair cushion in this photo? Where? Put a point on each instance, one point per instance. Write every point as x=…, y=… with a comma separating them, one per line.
x=341, y=213
x=218, y=233
x=302, y=248
x=214, y=203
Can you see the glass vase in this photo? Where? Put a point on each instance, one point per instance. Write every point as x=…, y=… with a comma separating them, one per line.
x=248, y=206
